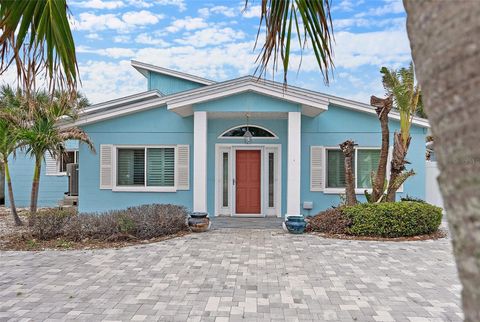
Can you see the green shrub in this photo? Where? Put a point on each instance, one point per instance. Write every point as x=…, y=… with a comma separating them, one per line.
x=141, y=222
x=393, y=219
x=330, y=221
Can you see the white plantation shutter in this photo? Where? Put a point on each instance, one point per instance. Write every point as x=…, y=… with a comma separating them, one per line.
x=182, y=166
x=317, y=165
x=106, y=165
x=52, y=166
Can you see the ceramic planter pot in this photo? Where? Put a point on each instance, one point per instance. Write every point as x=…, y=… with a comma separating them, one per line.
x=199, y=222
x=295, y=224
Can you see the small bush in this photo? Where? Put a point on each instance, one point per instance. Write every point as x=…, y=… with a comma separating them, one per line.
x=141, y=222
x=330, y=221
x=393, y=219
x=410, y=198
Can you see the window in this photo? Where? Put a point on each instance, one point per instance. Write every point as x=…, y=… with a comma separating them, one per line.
x=271, y=171
x=257, y=132
x=150, y=167
x=365, y=161
x=66, y=158
x=225, y=180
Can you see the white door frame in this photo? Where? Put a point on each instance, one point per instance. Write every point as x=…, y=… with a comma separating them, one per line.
x=231, y=149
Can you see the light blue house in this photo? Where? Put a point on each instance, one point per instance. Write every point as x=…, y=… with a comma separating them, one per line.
x=243, y=147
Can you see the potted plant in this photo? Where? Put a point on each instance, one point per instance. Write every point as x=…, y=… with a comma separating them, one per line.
x=295, y=224
x=199, y=222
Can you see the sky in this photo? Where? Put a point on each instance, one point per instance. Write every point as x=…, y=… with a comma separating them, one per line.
x=215, y=39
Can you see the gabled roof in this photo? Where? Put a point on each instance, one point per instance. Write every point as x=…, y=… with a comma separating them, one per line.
x=144, y=68
x=312, y=103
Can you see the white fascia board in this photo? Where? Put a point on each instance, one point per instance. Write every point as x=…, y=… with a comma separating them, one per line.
x=369, y=109
x=130, y=109
x=120, y=101
x=144, y=67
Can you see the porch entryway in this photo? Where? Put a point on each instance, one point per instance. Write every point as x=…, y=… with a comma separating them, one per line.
x=248, y=180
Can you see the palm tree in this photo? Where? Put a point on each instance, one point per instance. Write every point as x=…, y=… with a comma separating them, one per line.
x=348, y=149
x=401, y=85
x=9, y=120
x=446, y=51
x=36, y=37
x=42, y=135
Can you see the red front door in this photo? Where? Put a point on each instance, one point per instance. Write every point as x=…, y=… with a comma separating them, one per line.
x=248, y=168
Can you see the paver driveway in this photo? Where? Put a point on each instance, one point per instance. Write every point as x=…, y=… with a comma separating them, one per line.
x=235, y=274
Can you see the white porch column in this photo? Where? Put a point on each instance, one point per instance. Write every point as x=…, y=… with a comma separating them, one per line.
x=200, y=161
x=293, y=163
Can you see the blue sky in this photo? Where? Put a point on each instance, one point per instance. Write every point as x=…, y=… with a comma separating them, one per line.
x=215, y=39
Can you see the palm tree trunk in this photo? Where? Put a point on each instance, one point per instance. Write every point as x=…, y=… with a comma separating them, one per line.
x=348, y=149
x=446, y=50
x=13, y=208
x=382, y=107
x=397, y=165
x=35, y=185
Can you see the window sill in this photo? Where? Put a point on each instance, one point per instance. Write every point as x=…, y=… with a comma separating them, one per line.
x=341, y=191
x=57, y=174
x=144, y=189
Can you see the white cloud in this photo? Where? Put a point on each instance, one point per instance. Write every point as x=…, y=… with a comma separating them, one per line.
x=121, y=39
x=222, y=10
x=102, y=80
x=252, y=12
x=141, y=18
x=114, y=52
x=347, y=23
x=187, y=23
x=346, y=5
x=140, y=3
x=390, y=7
x=178, y=3
x=148, y=39
x=94, y=36
x=211, y=36
x=126, y=23
x=98, y=4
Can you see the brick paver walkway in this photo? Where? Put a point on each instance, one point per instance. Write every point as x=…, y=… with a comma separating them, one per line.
x=235, y=274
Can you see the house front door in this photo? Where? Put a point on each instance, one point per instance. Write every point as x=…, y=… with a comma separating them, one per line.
x=248, y=182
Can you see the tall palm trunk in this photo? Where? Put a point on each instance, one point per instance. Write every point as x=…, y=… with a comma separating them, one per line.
x=35, y=185
x=382, y=107
x=13, y=208
x=348, y=149
x=446, y=50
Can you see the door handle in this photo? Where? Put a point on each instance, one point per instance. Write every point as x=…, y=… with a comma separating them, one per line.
x=233, y=181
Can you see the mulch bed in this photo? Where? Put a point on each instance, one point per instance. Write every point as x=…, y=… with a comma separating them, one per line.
x=441, y=233
x=24, y=242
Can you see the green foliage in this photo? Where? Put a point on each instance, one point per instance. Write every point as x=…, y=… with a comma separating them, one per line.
x=37, y=36
x=393, y=219
x=309, y=22
x=410, y=198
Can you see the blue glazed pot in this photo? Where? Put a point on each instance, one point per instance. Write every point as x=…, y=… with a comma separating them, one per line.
x=199, y=222
x=295, y=224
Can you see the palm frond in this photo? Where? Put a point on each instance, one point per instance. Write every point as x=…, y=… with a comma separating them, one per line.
x=307, y=20
x=36, y=35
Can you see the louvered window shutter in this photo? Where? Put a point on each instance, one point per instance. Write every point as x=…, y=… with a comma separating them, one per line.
x=51, y=165
x=182, y=167
x=317, y=164
x=106, y=165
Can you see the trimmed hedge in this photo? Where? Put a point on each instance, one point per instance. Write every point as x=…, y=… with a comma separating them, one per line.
x=140, y=222
x=393, y=219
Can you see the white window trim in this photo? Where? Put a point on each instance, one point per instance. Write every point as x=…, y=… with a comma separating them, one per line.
x=358, y=191
x=221, y=136
x=59, y=162
x=145, y=188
